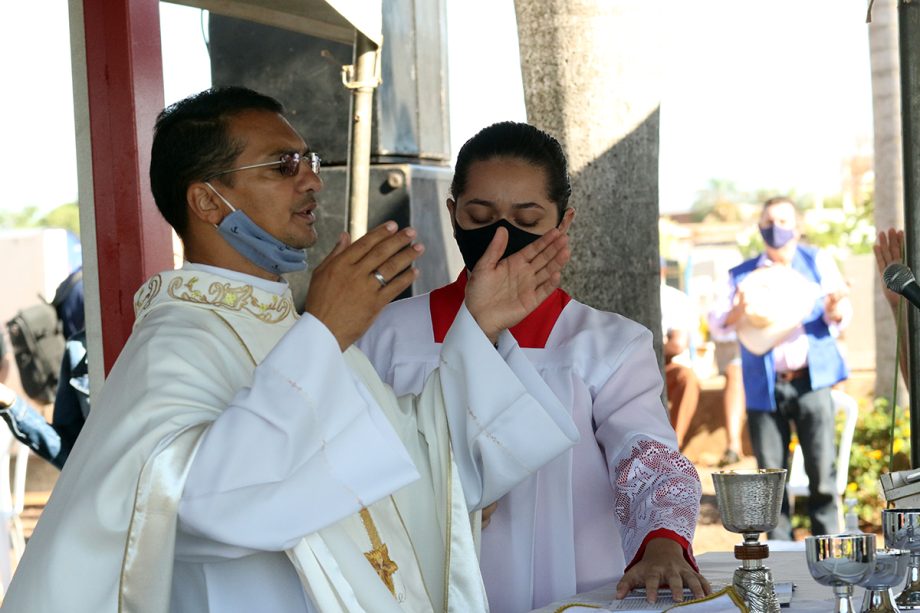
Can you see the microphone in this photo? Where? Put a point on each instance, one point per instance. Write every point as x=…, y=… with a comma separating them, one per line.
x=901, y=280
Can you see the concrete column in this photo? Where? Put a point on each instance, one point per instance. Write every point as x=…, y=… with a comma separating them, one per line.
x=889, y=178
x=592, y=78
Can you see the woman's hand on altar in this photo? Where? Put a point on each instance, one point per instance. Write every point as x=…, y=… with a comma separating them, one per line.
x=663, y=565
x=503, y=291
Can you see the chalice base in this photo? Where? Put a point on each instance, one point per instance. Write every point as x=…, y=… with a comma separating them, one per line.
x=910, y=595
x=879, y=601
x=755, y=587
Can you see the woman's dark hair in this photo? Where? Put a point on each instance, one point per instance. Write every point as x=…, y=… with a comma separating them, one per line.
x=191, y=142
x=522, y=141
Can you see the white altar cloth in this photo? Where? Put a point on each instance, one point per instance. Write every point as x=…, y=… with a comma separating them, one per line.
x=718, y=567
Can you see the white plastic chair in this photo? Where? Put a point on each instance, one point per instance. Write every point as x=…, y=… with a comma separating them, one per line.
x=797, y=484
x=12, y=502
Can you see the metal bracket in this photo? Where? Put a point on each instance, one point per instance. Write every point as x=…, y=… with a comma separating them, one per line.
x=901, y=489
x=348, y=75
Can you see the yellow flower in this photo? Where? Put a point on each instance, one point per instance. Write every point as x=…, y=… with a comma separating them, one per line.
x=876, y=454
x=898, y=445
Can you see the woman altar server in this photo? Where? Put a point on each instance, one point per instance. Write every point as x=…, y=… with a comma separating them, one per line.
x=624, y=500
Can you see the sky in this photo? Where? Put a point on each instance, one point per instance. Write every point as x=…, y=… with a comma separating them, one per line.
x=769, y=95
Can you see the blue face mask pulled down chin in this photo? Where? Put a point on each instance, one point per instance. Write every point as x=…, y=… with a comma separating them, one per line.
x=776, y=237
x=257, y=245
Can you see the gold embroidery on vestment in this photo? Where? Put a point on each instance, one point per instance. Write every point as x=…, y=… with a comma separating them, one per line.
x=379, y=556
x=147, y=293
x=240, y=298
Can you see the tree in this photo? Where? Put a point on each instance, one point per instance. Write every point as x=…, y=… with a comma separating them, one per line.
x=66, y=216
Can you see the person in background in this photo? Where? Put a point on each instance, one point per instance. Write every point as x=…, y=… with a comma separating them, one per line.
x=624, y=499
x=787, y=306
x=679, y=324
x=53, y=441
x=68, y=302
x=728, y=363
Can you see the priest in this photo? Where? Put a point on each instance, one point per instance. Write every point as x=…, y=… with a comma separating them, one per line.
x=244, y=458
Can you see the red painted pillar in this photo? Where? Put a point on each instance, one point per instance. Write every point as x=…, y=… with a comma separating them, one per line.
x=124, y=70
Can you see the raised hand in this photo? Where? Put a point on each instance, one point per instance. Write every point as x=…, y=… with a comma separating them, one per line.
x=889, y=248
x=502, y=292
x=346, y=294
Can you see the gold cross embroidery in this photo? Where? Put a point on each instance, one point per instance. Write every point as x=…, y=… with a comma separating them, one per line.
x=379, y=557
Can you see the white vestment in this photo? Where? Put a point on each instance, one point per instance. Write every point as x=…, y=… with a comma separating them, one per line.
x=585, y=515
x=202, y=482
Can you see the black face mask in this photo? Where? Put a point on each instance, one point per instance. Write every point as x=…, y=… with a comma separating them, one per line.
x=473, y=243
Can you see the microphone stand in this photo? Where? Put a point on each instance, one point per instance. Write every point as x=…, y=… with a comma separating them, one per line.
x=908, y=31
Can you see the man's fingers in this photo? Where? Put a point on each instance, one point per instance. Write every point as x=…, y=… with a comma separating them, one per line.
x=398, y=284
x=340, y=246
x=362, y=246
x=494, y=251
x=399, y=261
x=386, y=249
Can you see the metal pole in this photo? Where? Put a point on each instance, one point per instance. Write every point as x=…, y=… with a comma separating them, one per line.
x=909, y=40
x=362, y=78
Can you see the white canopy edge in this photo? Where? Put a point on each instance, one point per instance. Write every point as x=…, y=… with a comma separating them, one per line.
x=334, y=20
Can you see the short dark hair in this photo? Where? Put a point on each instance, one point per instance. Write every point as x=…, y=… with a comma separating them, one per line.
x=510, y=139
x=191, y=142
x=780, y=200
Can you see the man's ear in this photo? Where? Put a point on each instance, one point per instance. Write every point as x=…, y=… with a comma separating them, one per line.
x=568, y=216
x=203, y=203
x=452, y=209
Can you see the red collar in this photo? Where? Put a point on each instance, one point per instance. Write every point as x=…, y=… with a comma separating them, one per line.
x=532, y=332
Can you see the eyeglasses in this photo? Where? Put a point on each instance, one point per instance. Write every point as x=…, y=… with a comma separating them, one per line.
x=288, y=165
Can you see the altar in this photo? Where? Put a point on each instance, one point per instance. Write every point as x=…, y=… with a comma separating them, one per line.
x=717, y=567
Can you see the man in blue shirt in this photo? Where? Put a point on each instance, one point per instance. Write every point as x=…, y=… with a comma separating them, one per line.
x=789, y=368
x=53, y=441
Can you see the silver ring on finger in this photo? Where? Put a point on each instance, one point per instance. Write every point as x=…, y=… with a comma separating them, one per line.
x=380, y=278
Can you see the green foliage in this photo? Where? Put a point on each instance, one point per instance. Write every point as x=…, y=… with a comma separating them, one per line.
x=869, y=457
x=839, y=234
x=24, y=218
x=854, y=234
x=66, y=216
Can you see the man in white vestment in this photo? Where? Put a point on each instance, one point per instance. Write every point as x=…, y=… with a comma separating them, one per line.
x=242, y=458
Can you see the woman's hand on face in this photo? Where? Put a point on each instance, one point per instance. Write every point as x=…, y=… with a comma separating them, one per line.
x=663, y=564
x=502, y=292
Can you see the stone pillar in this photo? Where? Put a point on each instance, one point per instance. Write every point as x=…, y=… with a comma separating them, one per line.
x=592, y=78
x=889, y=176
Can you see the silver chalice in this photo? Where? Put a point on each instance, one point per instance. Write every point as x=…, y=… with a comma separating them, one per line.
x=841, y=561
x=890, y=570
x=901, y=528
x=749, y=502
